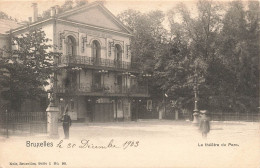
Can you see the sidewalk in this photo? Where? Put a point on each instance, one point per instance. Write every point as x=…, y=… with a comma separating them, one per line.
x=163, y=143
x=142, y=124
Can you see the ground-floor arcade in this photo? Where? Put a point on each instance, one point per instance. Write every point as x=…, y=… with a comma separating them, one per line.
x=102, y=109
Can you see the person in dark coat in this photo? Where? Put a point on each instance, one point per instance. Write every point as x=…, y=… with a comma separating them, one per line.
x=66, y=123
x=204, y=123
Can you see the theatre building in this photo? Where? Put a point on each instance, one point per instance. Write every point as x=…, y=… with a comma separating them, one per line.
x=97, y=79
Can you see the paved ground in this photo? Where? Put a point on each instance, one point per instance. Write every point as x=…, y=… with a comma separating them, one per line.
x=149, y=143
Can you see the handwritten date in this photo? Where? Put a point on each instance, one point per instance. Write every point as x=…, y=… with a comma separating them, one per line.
x=88, y=144
x=128, y=144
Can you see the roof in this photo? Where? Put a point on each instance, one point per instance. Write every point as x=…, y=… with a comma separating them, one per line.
x=6, y=25
x=75, y=10
x=89, y=5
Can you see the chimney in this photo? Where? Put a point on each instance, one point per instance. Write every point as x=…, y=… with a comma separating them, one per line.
x=35, y=12
x=57, y=7
x=30, y=19
x=53, y=11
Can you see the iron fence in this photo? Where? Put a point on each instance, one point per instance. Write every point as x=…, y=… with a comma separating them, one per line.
x=23, y=123
x=251, y=117
x=228, y=116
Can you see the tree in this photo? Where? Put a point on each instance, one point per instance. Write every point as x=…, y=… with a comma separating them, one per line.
x=240, y=52
x=4, y=16
x=81, y=2
x=26, y=69
x=68, y=4
x=148, y=39
x=220, y=44
x=192, y=47
x=222, y=47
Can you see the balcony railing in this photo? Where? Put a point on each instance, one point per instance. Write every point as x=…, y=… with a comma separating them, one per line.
x=85, y=60
x=103, y=89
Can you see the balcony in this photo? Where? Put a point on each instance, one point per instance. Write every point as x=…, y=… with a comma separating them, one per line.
x=94, y=62
x=104, y=90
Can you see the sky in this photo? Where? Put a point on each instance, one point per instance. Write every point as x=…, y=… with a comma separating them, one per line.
x=21, y=9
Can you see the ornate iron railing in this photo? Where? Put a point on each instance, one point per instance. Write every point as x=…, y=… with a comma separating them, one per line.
x=85, y=60
x=106, y=89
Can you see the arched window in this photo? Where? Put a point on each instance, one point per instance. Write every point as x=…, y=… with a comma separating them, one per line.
x=96, y=51
x=71, y=46
x=118, y=55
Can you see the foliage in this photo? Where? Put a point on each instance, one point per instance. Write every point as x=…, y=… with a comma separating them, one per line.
x=218, y=46
x=68, y=4
x=149, y=35
x=4, y=16
x=27, y=68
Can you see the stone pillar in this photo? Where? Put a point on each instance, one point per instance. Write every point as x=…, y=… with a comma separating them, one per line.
x=195, y=118
x=176, y=115
x=52, y=114
x=161, y=114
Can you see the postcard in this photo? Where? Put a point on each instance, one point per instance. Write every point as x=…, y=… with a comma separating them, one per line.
x=129, y=84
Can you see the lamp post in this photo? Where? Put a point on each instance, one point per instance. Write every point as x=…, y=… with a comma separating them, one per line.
x=195, y=111
x=126, y=80
x=127, y=92
x=197, y=80
x=77, y=70
x=103, y=72
x=146, y=76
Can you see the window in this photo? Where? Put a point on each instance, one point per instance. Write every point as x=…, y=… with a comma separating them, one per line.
x=118, y=56
x=71, y=46
x=96, y=49
x=118, y=52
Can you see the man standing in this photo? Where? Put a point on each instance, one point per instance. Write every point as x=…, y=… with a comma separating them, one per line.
x=66, y=123
x=204, y=123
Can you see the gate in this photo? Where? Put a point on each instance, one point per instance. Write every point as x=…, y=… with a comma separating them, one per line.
x=103, y=112
x=23, y=123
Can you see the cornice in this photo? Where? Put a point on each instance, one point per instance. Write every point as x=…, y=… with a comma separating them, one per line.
x=94, y=27
x=32, y=25
x=112, y=17
x=59, y=17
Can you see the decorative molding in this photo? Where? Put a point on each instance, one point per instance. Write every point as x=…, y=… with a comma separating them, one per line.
x=73, y=34
x=128, y=50
x=93, y=39
x=111, y=45
x=95, y=33
x=121, y=43
x=84, y=40
x=61, y=38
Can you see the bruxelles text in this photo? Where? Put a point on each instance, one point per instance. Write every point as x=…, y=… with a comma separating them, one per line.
x=85, y=144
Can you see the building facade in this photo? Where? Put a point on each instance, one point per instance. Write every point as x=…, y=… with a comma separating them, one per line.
x=97, y=79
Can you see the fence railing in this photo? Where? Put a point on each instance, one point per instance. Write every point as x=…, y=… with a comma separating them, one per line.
x=235, y=116
x=23, y=122
x=85, y=60
x=108, y=89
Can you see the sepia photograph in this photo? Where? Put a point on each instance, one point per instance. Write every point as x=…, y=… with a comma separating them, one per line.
x=129, y=84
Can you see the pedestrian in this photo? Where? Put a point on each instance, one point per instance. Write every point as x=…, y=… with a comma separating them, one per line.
x=204, y=123
x=66, y=123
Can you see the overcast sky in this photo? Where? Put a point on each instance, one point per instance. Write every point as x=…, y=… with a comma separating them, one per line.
x=21, y=9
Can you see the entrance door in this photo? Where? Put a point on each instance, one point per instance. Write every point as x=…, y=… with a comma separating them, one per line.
x=90, y=109
x=119, y=84
x=104, y=112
